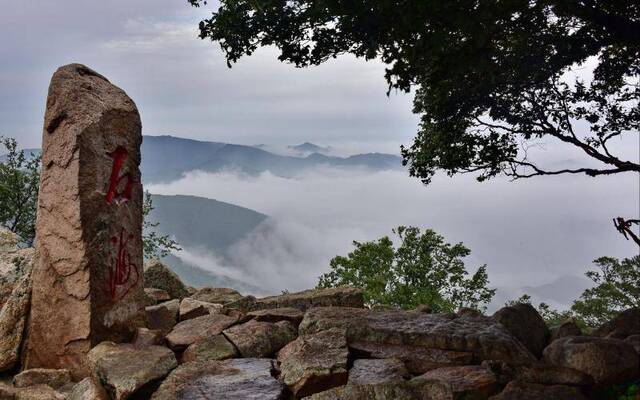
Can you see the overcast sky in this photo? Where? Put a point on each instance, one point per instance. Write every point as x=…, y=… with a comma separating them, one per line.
x=533, y=232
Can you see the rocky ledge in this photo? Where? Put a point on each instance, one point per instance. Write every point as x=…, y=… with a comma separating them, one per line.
x=215, y=343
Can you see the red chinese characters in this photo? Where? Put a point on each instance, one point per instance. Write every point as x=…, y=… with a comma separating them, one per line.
x=120, y=184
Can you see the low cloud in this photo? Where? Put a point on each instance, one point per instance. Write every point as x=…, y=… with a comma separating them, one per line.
x=531, y=233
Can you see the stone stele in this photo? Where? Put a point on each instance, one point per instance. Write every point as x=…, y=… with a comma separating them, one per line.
x=87, y=275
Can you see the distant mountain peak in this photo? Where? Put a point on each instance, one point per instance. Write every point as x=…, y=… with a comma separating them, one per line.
x=309, y=148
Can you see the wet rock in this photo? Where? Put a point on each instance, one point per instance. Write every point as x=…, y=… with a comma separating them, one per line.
x=153, y=296
x=526, y=325
x=191, y=308
x=625, y=324
x=193, y=330
x=13, y=318
x=567, y=328
x=236, y=379
x=213, y=348
x=417, y=359
x=412, y=390
x=55, y=378
x=344, y=296
x=483, y=337
x=537, y=373
x=124, y=369
x=377, y=371
x=467, y=382
x=531, y=391
x=87, y=273
x=608, y=361
x=160, y=276
x=164, y=316
x=217, y=295
x=315, y=362
x=87, y=389
x=292, y=315
x=261, y=339
x=148, y=337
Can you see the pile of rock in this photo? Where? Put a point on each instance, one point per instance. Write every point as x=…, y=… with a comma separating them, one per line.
x=323, y=344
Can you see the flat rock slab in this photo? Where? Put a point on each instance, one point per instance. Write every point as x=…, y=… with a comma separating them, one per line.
x=290, y=314
x=236, y=379
x=153, y=296
x=344, y=296
x=39, y=392
x=124, y=369
x=485, y=338
x=217, y=295
x=87, y=389
x=531, y=391
x=214, y=348
x=192, y=308
x=55, y=378
x=87, y=273
x=373, y=372
x=261, y=339
x=197, y=329
x=608, y=361
x=315, y=362
x=467, y=382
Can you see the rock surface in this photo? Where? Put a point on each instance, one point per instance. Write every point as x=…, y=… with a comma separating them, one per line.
x=344, y=296
x=567, y=328
x=467, y=382
x=217, y=295
x=608, y=361
x=196, y=329
x=237, y=379
x=15, y=262
x=525, y=324
x=148, y=337
x=87, y=389
x=54, y=378
x=377, y=371
x=315, y=362
x=292, y=315
x=163, y=317
x=483, y=337
x=87, y=273
x=13, y=317
x=538, y=373
x=530, y=391
x=159, y=276
x=255, y=339
x=124, y=369
x=153, y=296
x=214, y=348
x=413, y=390
x=627, y=323
x=191, y=308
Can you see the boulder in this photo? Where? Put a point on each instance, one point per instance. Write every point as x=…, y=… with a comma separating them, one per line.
x=292, y=315
x=411, y=390
x=193, y=330
x=55, y=378
x=236, y=379
x=214, y=348
x=87, y=272
x=13, y=318
x=417, y=359
x=537, y=373
x=164, y=316
x=625, y=324
x=377, y=371
x=160, y=276
x=191, y=308
x=567, y=328
x=525, y=324
x=153, y=296
x=124, y=369
x=608, y=361
x=315, y=362
x=344, y=296
x=467, y=382
x=38, y=392
x=15, y=262
x=532, y=391
x=260, y=339
x=217, y=295
x=87, y=389
x=483, y=337
x=148, y=337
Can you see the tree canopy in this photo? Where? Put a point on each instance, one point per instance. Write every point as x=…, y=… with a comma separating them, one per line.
x=422, y=270
x=489, y=76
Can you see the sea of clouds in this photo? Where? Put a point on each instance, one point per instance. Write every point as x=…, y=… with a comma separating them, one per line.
x=537, y=236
